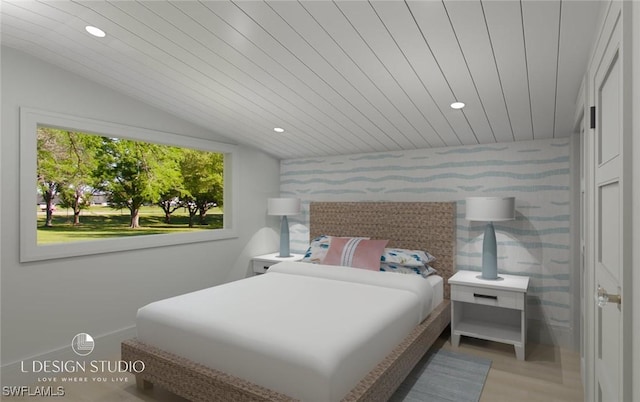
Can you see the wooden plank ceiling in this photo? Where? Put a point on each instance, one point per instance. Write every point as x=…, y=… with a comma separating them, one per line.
x=340, y=77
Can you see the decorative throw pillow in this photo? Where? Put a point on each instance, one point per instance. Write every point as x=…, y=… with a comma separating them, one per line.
x=317, y=249
x=423, y=270
x=355, y=252
x=408, y=258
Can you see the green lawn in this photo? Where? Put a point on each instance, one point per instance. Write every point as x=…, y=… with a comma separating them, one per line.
x=99, y=222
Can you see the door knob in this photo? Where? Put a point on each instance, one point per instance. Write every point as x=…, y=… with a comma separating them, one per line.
x=602, y=297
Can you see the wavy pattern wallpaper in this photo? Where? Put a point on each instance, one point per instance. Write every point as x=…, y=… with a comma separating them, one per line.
x=537, y=173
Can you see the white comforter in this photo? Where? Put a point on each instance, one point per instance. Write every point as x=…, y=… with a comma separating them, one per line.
x=308, y=331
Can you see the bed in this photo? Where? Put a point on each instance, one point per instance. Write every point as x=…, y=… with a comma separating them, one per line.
x=365, y=371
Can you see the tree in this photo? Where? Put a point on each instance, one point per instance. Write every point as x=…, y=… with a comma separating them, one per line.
x=203, y=174
x=170, y=202
x=78, y=168
x=135, y=173
x=48, y=175
x=64, y=169
x=76, y=198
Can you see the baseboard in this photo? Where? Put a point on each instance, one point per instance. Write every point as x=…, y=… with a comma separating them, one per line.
x=107, y=347
x=541, y=332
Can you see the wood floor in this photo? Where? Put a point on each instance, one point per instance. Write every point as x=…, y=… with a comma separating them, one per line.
x=548, y=374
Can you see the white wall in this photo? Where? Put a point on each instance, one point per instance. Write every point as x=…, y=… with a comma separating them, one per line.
x=44, y=304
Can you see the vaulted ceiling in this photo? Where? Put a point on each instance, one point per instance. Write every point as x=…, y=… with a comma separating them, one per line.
x=339, y=77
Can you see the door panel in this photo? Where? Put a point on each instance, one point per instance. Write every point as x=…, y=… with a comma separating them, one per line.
x=609, y=234
x=609, y=146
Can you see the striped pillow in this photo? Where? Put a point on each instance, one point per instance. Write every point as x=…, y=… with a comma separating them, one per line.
x=355, y=252
x=318, y=249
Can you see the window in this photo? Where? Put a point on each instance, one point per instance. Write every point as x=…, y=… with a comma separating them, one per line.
x=103, y=187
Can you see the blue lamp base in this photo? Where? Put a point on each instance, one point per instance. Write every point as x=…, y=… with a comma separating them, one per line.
x=489, y=254
x=284, y=237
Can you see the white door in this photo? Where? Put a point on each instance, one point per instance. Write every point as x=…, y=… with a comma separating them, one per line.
x=612, y=205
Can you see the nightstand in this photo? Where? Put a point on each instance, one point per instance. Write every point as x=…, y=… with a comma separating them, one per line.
x=494, y=310
x=262, y=263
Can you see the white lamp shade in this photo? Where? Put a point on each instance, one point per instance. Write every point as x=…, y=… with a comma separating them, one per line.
x=491, y=209
x=283, y=206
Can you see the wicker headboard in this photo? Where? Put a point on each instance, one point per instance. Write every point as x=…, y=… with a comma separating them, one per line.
x=413, y=225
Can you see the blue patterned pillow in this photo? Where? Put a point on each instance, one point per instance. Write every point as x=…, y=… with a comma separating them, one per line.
x=407, y=258
x=423, y=271
x=317, y=249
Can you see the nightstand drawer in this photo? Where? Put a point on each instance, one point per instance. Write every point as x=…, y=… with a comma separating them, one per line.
x=489, y=297
x=260, y=267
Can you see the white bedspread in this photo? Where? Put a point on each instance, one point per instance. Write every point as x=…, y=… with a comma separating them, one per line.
x=308, y=331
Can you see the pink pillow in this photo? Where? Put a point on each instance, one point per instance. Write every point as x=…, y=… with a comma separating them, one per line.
x=355, y=252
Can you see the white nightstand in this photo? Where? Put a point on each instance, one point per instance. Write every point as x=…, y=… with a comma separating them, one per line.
x=494, y=310
x=262, y=263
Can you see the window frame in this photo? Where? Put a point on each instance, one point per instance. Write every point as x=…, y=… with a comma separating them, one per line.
x=30, y=119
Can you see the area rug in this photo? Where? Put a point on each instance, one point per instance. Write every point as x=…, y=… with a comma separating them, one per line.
x=443, y=375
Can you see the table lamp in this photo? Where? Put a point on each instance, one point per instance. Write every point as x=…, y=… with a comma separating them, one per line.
x=283, y=207
x=490, y=209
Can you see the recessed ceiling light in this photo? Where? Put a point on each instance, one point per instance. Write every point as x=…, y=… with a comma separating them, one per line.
x=95, y=31
x=278, y=130
x=457, y=105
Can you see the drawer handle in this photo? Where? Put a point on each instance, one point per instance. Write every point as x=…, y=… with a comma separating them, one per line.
x=485, y=296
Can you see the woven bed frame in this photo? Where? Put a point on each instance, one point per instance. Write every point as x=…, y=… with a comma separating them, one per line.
x=412, y=225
